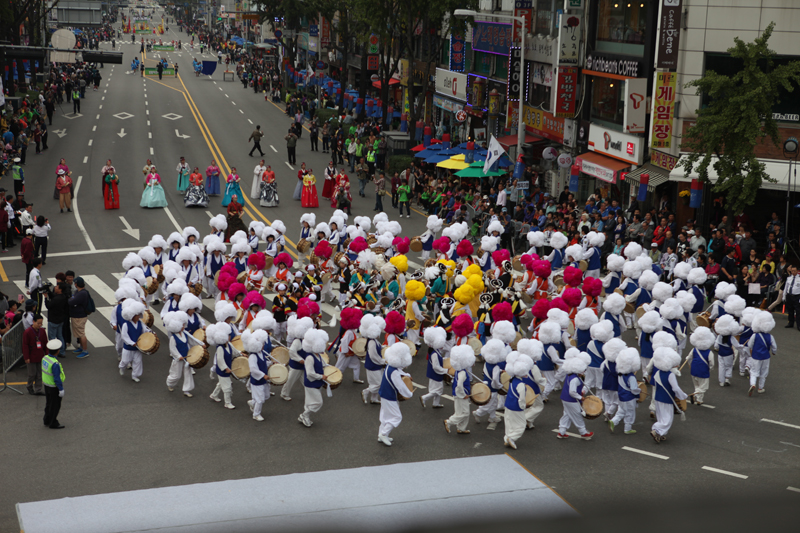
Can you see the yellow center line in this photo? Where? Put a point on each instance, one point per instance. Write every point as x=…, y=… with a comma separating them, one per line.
x=3, y=275
x=196, y=113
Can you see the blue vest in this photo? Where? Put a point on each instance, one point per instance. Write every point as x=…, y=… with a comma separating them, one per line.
x=148, y=272
x=614, y=319
x=368, y=363
x=545, y=363
x=296, y=364
x=193, y=324
x=512, y=398
x=261, y=362
x=594, y=260
x=305, y=232
x=558, y=259
x=227, y=355
x=387, y=390
x=623, y=390
x=159, y=260
x=488, y=370
x=720, y=305
x=643, y=298
x=582, y=339
x=240, y=264
x=430, y=372
x=565, y=396
x=487, y=266
x=134, y=331
x=613, y=283
x=663, y=394
x=630, y=287
x=120, y=320
x=609, y=376
x=216, y=264
x=761, y=346
x=182, y=346
x=700, y=368
x=700, y=299
x=725, y=348
x=744, y=337
x=318, y=369
x=597, y=358
x=528, y=380
x=427, y=245
x=173, y=253
x=646, y=346
x=657, y=269
x=681, y=285
x=467, y=384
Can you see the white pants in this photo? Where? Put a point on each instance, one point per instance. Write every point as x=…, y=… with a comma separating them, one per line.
x=572, y=415
x=744, y=359
x=460, y=416
x=134, y=358
x=178, y=369
x=413, y=336
x=425, y=255
x=435, y=389
x=532, y=412
x=626, y=412
x=374, y=378
x=594, y=377
x=281, y=331
x=595, y=273
x=610, y=399
x=700, y=388
x=552, y=381
x=692, y=325
x=313, y=401
x=294, y=376
x=759, y=370
x=514, y=422
x=118, y=342
x=725, y=368
x=665, y=414
x=344, y=362
x=224, y=386
x=342, y=299
x=490, y=408
x=260, y=394
x=326, y=291
x=390, y=417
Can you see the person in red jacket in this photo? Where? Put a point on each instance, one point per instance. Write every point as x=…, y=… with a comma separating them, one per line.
x=660, y=233
x=26, y=251
x=34, y=341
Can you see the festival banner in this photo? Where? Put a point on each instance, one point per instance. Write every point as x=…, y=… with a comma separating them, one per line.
x=663, y=114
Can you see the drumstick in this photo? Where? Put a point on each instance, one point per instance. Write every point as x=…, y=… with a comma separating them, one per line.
x=684, y=364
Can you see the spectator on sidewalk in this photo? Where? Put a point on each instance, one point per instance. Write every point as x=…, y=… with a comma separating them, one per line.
x=78, y=314
x=34, y=340
x=57, y=314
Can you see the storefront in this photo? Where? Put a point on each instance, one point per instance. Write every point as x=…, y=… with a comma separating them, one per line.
x=610, y=153
x=449, y=101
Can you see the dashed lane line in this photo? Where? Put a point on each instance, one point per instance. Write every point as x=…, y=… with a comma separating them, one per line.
x=725, y=472
x=649, y=454
x=780, y=423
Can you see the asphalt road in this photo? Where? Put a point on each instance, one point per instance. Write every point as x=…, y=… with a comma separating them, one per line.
x=126, y=436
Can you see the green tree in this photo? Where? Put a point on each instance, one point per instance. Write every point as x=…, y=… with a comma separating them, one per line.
x=737, y=119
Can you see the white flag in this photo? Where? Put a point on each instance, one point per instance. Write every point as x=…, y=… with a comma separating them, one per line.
x=494, y=153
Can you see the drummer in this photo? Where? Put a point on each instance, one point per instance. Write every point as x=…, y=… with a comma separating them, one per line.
x=192, y=305
x=392, y=386
x=279, y=311
x=179, y=344
x=218, y=336
x=255, y=343
x=297, y=329
x=435, y=339
x=132, y=329
x=574, y=391
x=314, y=343
x=517, y=367
x=371, y=328
x=213, y=263
x=307, y=223
x=350, y=322
x=284, y=262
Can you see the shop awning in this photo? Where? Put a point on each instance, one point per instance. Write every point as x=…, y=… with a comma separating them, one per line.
x=778, y=170
x=601, y=167
x=378, y=84
x=511, y=140
x=657, y=175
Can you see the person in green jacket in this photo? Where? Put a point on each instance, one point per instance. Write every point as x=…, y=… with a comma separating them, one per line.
x=403, y=192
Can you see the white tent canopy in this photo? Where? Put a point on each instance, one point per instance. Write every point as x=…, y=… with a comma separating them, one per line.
x=778, y=170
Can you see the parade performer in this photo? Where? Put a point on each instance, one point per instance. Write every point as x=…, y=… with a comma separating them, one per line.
x=415, y=292
x=298, y=190
x=392, y=389
x=461, y=359
x=179, y=344
x=702, y=359
x=435, y=340
x=183, y=175
x=697, y=278
x=268, y=193
x=550, y=336
x=232, y=188
x=330, y=181
x=309, y=194
x=110, y=190
x=296, y=329
x=761, y=346
x=628, y=362
x=574, y=391
x=350, y=322
x=314, y=343
x=219, y=335
x=153, y=195
x=256, y=344
x=726, y=345
x=517, y=366
x=746, y=323
x=613, y=306
x=614, y=263
x=196, y=195
x=608, y=385
x=258, y=171
x=371, y=328
x=395, y=327
x=132, y=329
x=556, y=258
x=212, y=179
x=534, y=349
x=494, y=357
x=433, y=225
x=666, y=390
x=601, y=333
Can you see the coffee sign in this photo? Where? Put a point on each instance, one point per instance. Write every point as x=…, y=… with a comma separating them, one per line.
x=669, y=32
x=608, y=64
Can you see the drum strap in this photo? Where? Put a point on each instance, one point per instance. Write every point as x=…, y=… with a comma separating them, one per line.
x=658, y=382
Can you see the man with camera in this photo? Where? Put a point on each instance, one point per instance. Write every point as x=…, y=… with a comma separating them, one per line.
x=36, y=288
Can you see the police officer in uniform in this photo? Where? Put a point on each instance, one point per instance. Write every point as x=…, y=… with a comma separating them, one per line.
x=53, y=379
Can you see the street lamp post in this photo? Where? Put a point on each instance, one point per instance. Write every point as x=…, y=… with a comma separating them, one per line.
x=791, y=148
x=462, y=13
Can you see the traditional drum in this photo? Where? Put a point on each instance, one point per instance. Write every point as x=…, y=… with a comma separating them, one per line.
x=527, y=298
x=640, y=311
x=268, y=262
x=278, y=374
x=681, y=404
x=516, y=340
x=571, y=328
x=239, y=315
x=334, y=376
x=530, y=396
x=573, y=342
x=360, y=347
x=200, y=335
x=476, y=345
x=411, y=346
x=379, y=250
x=702, y=319
x=583, y=265
x=643, y=394
x=238, y=344
x=151, y=285
x=592, y=407
x=325, y=358
x=619, y=291
x=410, y=385
x=148, y=319
x=196, y=289
x=326, y=277
x=630, y=308
x=386, y=301
x=159, y=275
x=242, y=276
x=372, y=239
x=447, y=366
x=505, y=379
x=430, y=262
x=517, y=263
x=148, y=343
x=197, y=357
x=558, y=281
x=346, y=244
x=240, y=367
x=303, y=246
x=281, y=355
x=416, y=244
x=481, y=393
x=270, y=285
x=338, y=257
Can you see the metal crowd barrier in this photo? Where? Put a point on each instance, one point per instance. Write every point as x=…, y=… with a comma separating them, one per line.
x=12, y=352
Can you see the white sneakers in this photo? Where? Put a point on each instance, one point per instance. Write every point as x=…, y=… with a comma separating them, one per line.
x=215, y=399
x=136, y=380
x=508, y=443
x=385, y=440
x=230, y=406
x=492, y=426
x=258, y=418
x=187, y=394
x=121, y=371
x=250, y=403
x=364, y=396
x=304, y=420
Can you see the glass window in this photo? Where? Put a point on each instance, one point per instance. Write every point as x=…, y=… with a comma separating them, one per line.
x=621, y=27
x=539, y=95
x=607, y=103
x=483, y=63
x=545, y=17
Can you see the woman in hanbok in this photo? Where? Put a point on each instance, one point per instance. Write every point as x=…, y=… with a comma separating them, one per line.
x=330, y=181
x=232, y=187
x=212, y=179
x=111, y=190
x=341, y=180
x=255, y=191
x=298, y=190
x=269, y=188
x=153, y=195
x=309, y=197
x=148, y=168
x=195, y=194
x=183, y=175
x=62, y=165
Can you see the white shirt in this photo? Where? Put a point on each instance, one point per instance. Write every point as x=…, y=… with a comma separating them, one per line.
x=41, y=231
x=792, y=286
x=35, y=281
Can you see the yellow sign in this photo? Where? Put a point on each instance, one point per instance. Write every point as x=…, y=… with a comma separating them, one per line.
x=403, y=71
x=663, y=115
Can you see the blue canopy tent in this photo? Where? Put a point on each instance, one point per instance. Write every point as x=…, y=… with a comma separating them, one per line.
x=431, y=150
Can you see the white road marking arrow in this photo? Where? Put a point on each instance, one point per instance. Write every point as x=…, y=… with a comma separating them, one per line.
x=122, y=133
x=60, y=133
x=130, y=231
x=177, y=133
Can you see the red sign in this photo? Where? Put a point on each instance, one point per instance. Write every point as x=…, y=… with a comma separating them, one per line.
x=630, y=148
x=325, y=33
x=373, y=62
x=566, y=91
x=528, y=15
